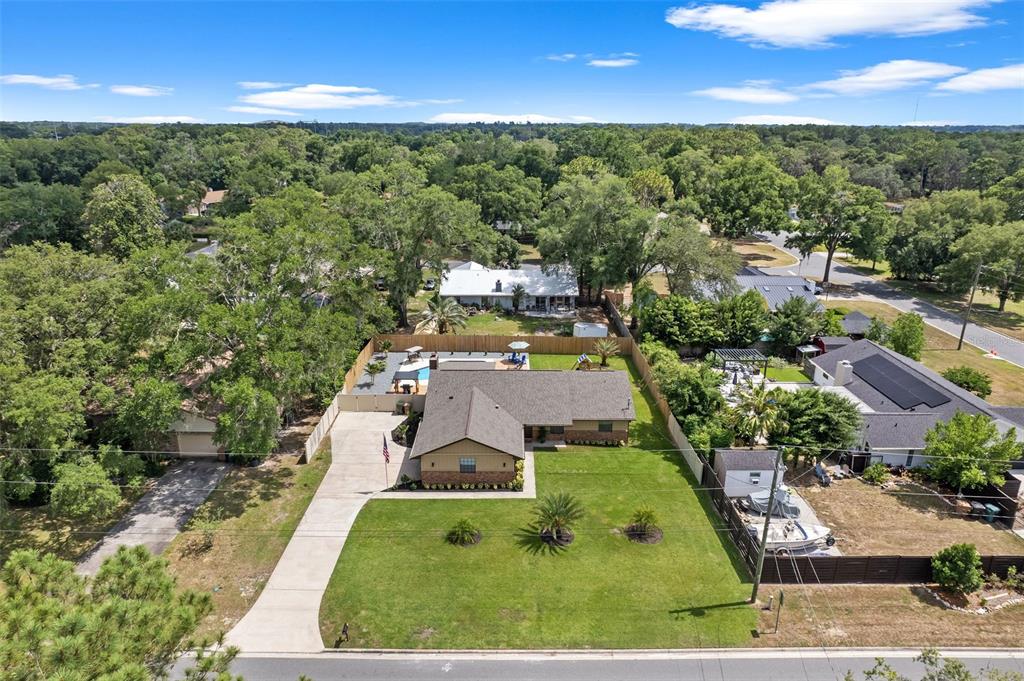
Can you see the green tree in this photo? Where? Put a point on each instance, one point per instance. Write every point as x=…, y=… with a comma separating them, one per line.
x=793, y=324
x=691, y=390
x=1010, y=190
x=84, y=491
x=958, y=568
x=130, y=621
x=816, y=419
x=587, y=166
x=123, y=216
x=249, y=421
x=507, y=252
x=506, y=194
x=833, y=212
x=750, y=194
x=556, y=513
x=518, y=294
x=32, y=212
x=968, y=452
x=650, y=188
x=605, y=348
x=969, y=378
x=695, y=265
x=906, y=336
x=999, y=251
x=679, y=322
x=443, y=315
x=878, y=331
x=742, y=319
x=145, y=415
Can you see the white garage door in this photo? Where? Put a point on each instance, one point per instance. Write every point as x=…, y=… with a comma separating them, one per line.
x=196, y=444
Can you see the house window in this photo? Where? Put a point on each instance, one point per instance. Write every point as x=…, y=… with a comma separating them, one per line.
x=604, y=427
x=467, y=465
x=755, y=477
x=558, y=430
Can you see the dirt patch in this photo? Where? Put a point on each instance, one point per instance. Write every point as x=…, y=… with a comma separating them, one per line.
x=649, y=535
x=512, y=614
x=905, y=520
x=424, y=634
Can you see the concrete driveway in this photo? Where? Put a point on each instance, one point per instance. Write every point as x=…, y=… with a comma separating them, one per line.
x=286, y=616
x=157, y=518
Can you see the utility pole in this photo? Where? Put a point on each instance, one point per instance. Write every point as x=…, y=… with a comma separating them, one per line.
x=970, y=304
x=767, y=521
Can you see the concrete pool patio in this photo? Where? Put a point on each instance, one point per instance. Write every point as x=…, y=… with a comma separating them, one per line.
x=398, y=361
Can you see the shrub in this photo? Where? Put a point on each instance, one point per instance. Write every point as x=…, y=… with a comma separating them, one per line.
x=877, y=474
x=83, y=491
x=644, y=519
x=463, y=533
x=958, y=568
x=555, y=514
x=968, y=378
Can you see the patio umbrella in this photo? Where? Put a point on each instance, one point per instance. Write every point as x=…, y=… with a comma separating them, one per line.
x=518, y=345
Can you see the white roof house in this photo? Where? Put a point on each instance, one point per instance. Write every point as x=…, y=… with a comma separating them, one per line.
x=475, y=284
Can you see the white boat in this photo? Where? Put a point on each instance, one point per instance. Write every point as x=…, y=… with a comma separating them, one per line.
x=790, y=535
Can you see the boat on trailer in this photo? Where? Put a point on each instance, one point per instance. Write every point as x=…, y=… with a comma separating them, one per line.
x=792, y=535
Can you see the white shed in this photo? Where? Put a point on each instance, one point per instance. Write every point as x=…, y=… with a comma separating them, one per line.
x=745, y=471
x=590, y=330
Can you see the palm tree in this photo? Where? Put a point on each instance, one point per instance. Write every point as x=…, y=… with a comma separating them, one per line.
x=555, y=513
x=605, y=348
x=463, y=533
x=374, y=368
x=441, y=316
x=757, y=412
x=518, y=293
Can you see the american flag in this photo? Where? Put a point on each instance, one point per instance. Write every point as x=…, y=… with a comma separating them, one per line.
x=387, y=456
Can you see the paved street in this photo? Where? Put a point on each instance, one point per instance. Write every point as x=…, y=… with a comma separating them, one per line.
x=866, y=288
x=285, y=618
x=157, y=518
x=708, y=665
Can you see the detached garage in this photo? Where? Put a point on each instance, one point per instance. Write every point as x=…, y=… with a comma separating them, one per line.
x=192, y=436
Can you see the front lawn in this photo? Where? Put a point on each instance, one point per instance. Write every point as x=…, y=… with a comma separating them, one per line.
x=398, y=584
x=248, y=520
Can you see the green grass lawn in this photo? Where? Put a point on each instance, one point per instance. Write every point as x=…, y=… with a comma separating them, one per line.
x=398, y=584
x=488, y=323
x=790, y=374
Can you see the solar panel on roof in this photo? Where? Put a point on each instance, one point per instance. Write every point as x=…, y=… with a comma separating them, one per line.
x=896, y=383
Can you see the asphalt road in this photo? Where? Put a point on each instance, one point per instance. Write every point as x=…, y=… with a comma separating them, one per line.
x=733, y=665
x=866, y=288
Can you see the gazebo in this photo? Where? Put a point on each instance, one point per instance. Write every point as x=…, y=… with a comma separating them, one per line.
x=726, y=356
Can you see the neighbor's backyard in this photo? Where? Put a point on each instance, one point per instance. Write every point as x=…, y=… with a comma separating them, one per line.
x=399, y=584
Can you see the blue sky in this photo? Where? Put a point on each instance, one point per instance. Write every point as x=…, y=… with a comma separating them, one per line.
x=845, y=61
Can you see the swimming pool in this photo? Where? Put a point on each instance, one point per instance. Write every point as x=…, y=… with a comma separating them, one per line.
x=423, y=374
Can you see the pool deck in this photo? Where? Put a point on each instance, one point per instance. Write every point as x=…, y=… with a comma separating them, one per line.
x=396, y=361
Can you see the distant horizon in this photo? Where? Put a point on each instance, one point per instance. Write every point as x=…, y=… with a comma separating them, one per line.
x=933, y=63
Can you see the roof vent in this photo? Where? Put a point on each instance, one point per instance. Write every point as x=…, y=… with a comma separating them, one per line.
x=765, y=288
x=789, y=288
x=451, y=397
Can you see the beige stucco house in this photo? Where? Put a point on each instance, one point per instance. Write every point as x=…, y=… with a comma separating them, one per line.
x=476, y=423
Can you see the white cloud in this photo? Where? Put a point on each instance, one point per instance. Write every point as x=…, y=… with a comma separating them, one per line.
x=616, y=63
x=815, y=23
x=1000, y=78
x=438, y=101
x=932, y=124
x=148, y=119
x=508, y=118
x=565, y=56
x=62, y=82
x=263, y=111
x=751, y=95
x=897, y=74
x=261, y=84
x=767, y=119
x=319, y=96
x=141, y=90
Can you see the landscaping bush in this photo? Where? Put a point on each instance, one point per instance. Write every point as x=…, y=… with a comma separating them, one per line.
x=555, y=513
x=877, y=474
x=83, y=491
x=464, y=533
x=969, y=378
x=958, y=568
x=643, y=526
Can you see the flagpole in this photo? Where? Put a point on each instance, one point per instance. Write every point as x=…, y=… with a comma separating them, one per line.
x=386, y=483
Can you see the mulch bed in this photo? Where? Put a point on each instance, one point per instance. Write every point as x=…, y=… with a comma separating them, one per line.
x=565, y=538
x=652, y=535
x=475, y=540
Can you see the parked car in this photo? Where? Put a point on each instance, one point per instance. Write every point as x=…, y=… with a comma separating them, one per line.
x=429, y=285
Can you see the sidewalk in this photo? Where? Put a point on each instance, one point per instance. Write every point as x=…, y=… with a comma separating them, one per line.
x=286, y=616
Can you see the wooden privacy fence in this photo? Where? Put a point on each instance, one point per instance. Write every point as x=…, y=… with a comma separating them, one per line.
x=356, y=370
x=545, y=345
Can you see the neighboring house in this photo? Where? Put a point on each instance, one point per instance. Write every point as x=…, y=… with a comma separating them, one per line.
x=900, y=401
x=212, y=196
x=191, y=435
x=745, y=471
x=776, y=290
x=476, y=422
x=856, y=324
x=829, y=343
x=505, y=226
x=474, y=285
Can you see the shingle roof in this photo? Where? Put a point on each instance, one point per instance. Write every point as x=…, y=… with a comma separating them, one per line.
x=776, y=290
x=473, y=279
x=856, y=323
x=745, y=459
x=900, y=430
x=1014, y=415
x=832, y=342
x=470, y=415
x=537, y=398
